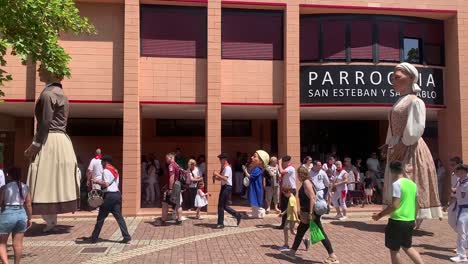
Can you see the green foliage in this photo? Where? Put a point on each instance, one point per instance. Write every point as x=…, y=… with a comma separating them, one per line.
x=31, y=28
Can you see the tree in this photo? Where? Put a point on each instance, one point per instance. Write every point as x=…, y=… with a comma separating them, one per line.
x=30, y=30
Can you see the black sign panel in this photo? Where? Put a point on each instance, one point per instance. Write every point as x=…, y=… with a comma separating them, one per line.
x=363, y=84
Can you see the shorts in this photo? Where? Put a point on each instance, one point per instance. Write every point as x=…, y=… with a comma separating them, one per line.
x=167, y=199
x=289, y=224
x=399, y=234
x=13, y=220
x=369, y=192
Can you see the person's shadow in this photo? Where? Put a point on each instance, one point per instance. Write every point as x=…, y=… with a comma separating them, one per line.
x=282, y=257
x=362, y=226
x=36, y=230
x=86, y=240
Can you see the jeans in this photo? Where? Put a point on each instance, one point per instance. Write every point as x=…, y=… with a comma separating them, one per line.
x=284, y=206
x=223, y=204
x=302, y=229
x=112, y=204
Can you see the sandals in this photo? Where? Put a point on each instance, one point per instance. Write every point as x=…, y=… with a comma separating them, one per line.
x=331, y=260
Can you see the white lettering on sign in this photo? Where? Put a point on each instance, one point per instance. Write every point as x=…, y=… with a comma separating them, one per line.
x=343, y=76
x=430, y=80
x=312, y=77
x=372, y=78
x=327, y=78
x=318, y=93
x=389, y=78
x=360, y=76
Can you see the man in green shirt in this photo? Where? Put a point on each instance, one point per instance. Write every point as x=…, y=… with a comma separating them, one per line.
x=399, y=230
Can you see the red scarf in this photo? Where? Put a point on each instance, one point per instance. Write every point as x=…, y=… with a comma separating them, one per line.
x=113, y=170
x=98, y=156
x=329, y=165
x=340, y=170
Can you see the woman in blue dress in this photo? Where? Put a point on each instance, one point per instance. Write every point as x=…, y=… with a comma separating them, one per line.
x=259, y=161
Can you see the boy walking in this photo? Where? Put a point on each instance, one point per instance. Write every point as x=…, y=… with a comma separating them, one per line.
x=403, y=210
x=292, y=217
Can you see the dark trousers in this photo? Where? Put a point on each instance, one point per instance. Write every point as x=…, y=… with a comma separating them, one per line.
x=189, y=199
x=112, y=204
x=223, y=204
x=284, y=205
x=302, y=229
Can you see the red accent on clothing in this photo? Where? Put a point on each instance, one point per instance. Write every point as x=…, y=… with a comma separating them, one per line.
x=113, y=170
x=98, y=156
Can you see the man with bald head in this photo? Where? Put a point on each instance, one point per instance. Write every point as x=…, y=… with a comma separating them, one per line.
x=95, y=169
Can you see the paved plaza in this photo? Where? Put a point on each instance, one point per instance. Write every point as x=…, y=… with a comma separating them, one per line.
x=357, y=240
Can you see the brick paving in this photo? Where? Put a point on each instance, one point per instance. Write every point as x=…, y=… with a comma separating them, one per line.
x=357, y=240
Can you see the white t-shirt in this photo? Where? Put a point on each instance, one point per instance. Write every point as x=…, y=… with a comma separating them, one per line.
x=373, y=164
x=2, y=178
x=333, y=168
x=289, y=179
x=109, y=177
x=462, y=192
x=227, y=171
x=95, y=166
x=320, y=179
x=195, y=174
x=340, y=177
x=11, y=194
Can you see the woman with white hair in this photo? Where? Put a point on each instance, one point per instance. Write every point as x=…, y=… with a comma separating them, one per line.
x=407, y=121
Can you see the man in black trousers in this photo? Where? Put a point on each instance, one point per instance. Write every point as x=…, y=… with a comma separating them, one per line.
x=112, y=200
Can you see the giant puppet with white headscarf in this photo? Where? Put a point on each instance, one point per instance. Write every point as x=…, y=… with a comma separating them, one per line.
x=407, y=120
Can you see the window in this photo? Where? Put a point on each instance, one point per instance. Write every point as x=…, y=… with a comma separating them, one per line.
x=334, y=40
x=180, y=127
x=389, y=41
x=170, y=31
x=85, y=127
x=309, y=39
x=236, y=128
x=252, y=34
x=412, y=50
x=361, y=40
x=433, y=50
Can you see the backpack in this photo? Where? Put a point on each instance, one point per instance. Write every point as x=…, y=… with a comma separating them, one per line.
x=321, y=205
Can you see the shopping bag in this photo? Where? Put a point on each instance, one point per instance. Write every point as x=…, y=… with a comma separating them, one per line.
x=316, y=234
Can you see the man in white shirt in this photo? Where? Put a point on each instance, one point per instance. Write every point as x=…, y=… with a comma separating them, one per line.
x=2, y=178
x=288, y=178
x=112, y=201
x=318, y=176
x=95, y=169
x=330, y=166
x=373, y=163
x=225, y=177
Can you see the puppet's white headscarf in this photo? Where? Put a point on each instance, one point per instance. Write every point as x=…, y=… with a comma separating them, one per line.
x=409, y=68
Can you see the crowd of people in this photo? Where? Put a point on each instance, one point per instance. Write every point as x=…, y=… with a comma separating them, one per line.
x=409, y=189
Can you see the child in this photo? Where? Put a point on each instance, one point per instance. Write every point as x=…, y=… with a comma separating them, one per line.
x=200, y=199
x=403, y=210
x=461, y=208
x=369, y=187
x=292, y=217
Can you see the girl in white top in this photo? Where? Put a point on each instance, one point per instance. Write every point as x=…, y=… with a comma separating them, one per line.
x=195, y=177
x=340, y=189
x=152, y=185
x=15, y=216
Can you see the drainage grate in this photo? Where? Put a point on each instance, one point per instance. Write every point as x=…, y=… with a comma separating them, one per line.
x=93, y=250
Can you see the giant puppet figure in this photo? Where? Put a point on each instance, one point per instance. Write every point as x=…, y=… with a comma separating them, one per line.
x=52, y=175
x=404, y=142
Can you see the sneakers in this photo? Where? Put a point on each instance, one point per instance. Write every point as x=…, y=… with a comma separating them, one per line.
x=289, y=254
x=306, y=244
x=338, y=216
x=343, y=218
x=220, y=226
x=459, y=259
x=284, y=248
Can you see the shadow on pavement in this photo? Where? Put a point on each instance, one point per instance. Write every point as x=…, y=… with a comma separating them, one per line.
x=420, y=233
x=437, y=255
x=266, y=226
x=212, y=226
x=36, y=230
x=275, y=247
x=362, y=226
x=280, y=256
x=435, y=248
x=87, y=240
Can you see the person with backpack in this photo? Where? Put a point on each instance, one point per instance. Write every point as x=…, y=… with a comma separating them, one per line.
x=312, y=206
x=172, y=191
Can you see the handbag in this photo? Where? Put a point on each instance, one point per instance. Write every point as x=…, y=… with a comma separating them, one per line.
x=95, y=198
x=246, y=181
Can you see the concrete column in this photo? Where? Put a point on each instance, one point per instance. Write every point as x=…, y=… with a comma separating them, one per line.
x=213, y=102
x=131, y=110
x=289, y=138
